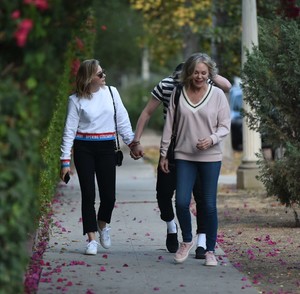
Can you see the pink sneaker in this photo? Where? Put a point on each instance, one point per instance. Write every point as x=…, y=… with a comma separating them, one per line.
x=183, y=252
x=210, y=259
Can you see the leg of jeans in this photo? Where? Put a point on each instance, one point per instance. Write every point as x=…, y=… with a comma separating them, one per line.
x=165, y=187
x=209, y=175
x=199, y=205
x=85, y=166
x=186, y=174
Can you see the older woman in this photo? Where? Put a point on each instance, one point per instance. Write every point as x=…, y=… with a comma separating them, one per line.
x=203, y=120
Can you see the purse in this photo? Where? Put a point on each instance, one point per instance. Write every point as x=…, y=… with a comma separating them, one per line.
x=171, y=148
x=118, y=152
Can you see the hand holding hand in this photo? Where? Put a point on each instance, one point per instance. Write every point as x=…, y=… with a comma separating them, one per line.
x=136, y=151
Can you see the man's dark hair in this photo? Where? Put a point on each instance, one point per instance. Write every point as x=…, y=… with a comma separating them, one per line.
x=177, y=71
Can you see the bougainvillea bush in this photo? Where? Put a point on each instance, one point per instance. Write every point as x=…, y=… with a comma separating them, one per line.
x=33, y=41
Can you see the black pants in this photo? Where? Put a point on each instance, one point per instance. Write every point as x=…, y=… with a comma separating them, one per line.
x=96, y=158
x=165, y=188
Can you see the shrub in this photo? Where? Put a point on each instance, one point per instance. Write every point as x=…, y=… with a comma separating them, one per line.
x=271, y=85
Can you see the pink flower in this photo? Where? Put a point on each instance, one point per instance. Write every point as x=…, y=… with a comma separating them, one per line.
x=15, y=14
x=74, y=68
x=79, y=43
x=39, y=4
x=103, y=28
x=250, y=254
x=22, y=32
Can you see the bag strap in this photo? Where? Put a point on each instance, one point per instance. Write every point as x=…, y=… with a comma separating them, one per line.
x=176, y=100
x=115, y=118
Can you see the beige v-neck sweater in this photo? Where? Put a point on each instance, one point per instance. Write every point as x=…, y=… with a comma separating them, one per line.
x=210, y=117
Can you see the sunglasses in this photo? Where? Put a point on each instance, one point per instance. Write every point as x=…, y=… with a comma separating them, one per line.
x=100, y=74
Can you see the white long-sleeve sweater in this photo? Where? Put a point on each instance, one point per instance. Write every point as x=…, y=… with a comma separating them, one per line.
x=93, y=119
x=210, y=117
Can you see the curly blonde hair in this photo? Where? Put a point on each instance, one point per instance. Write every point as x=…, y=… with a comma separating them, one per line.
x=190, y=64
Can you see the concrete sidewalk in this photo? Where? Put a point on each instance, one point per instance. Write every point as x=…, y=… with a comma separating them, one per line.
x=138, y=261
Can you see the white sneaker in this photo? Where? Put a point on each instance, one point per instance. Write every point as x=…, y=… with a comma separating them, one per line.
x=104, y=237
x=91, y=248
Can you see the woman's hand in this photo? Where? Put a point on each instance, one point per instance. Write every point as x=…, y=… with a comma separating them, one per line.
x=136, y=151
x=164, y=164
x=205, y=143
x=64, y=171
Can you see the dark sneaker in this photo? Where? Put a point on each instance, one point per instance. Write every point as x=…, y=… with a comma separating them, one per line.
x=200, y=253
x=172, y=242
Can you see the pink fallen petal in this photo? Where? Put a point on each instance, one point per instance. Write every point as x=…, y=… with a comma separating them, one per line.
x=45, y=280
x=102, y=269
x=125, y=265
x=77, y=262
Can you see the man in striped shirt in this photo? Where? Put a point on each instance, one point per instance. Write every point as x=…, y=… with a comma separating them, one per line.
x=166, y=182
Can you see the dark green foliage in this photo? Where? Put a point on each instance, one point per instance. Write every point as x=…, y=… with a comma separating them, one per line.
x=18, y=180
x=51, y=142
x=28, y=87
x=271, y=86
x=135, y=97
x=116, y=47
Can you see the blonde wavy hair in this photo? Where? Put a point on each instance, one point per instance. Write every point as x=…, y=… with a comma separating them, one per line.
x=85, y=74
x=190, y=64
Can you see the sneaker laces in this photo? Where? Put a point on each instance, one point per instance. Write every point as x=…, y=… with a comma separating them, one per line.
x=104, y=233
x=182, y=247
x=210, y=256
x=92, y=243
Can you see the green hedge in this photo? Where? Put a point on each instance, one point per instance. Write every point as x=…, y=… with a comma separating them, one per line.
x=29, y=167
x=80, y=48
x=18, y=181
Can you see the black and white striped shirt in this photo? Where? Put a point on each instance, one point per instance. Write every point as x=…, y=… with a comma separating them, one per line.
x=163, y=90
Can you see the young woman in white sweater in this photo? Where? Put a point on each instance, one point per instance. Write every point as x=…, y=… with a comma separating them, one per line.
x=90, y=129
x=203, y=120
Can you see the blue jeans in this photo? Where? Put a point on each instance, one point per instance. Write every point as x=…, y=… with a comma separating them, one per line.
x=186, y=175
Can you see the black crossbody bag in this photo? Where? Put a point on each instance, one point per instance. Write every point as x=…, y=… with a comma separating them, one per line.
x=118, y=152
x=170, y=152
